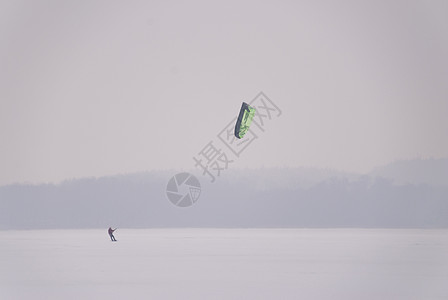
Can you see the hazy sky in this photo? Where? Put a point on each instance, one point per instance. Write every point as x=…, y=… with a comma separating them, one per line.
x=92, y=88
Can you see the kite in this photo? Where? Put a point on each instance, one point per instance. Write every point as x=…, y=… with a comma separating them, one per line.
x=245, y=117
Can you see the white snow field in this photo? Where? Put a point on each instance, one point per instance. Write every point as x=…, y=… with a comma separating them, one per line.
x=225, y=264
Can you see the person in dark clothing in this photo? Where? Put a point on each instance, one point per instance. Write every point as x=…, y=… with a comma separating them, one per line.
x=111, y=234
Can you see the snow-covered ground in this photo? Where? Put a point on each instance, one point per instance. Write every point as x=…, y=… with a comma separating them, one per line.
x=225, y=264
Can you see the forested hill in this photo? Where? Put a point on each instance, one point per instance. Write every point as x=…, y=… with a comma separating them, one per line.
x=290, y=197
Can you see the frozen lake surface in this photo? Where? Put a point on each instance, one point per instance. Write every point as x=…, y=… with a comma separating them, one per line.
x=225, y=264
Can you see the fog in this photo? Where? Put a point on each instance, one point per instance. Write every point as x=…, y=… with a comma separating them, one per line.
x=92, y=89
x=294, y=197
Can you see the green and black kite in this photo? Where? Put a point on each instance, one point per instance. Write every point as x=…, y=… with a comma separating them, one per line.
x=244, y=120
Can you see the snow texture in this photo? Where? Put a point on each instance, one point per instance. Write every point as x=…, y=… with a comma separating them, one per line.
x=225, y=264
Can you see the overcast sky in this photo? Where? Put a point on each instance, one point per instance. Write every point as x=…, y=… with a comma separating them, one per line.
x=92, y=88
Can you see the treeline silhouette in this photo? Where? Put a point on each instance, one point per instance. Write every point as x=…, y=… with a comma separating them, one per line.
x=244, y=198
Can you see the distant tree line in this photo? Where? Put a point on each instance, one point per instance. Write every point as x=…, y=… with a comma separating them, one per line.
x=139, y=201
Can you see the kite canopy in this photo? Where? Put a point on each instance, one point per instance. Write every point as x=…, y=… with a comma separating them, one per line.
x=245, y=117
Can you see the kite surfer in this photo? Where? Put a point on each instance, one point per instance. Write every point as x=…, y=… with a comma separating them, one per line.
x=111, y=234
